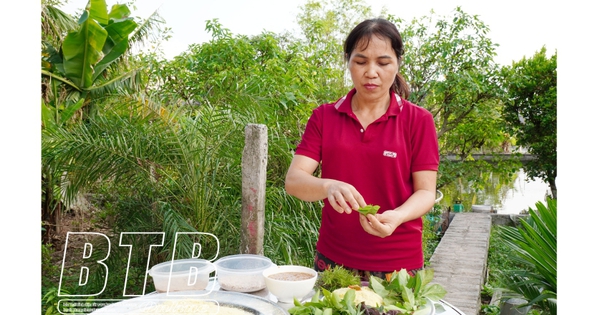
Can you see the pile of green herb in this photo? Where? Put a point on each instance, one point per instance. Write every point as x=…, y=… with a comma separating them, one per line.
x=329, y=304
x=335, y=278
x=407, y=294
x=402, y=295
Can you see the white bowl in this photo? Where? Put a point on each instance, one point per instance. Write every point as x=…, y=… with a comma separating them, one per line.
x=181, y=275
x=243, y=272
x=290, y=285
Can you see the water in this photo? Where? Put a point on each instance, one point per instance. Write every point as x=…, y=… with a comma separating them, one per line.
x=505, y=199
x=523, y=195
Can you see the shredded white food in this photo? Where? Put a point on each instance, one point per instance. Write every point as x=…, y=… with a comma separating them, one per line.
x=188, y=307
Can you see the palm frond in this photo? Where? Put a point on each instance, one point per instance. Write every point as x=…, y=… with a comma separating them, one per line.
x=124, y=82
x=534, y=243
x=146, y=29
x=56, y=23
x=109, y=147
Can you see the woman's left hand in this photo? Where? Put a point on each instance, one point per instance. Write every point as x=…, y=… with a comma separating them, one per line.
x=381, y=224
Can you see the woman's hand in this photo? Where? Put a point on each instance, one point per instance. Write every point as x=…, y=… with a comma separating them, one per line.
x=381, y=224
x=385, y=223
x=343, y=197
x=301, y=183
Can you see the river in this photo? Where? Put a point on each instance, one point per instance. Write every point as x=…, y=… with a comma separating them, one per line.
x=509, y=199
x=523, y=195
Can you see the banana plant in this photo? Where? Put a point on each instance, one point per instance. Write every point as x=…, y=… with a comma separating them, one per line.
x=81, y=64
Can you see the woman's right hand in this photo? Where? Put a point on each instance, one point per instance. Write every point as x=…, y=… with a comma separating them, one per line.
x=301, y=183
x=343, y=197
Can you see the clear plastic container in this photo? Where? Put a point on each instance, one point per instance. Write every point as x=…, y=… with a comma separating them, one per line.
x=242, y=273
x=184, y=275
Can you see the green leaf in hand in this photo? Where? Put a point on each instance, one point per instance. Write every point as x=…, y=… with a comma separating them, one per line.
x=368, y=209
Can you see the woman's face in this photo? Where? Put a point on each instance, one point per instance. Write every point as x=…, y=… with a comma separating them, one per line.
x=373, y=68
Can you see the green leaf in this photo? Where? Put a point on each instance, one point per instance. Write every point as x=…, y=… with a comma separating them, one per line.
x=70, y=110
x=113, y=54
x=418, y=283
x=98, y=12
x=368, y=209
x=375, y=284
x=47, y=115
x=434, y=292
x=120, y=30
x=82, y=49
x=349, y=299
x=408, y=297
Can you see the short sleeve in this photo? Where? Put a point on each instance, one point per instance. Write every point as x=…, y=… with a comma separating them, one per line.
x=424, y=141
x=312, y=140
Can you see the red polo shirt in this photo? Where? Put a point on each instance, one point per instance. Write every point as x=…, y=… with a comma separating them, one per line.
x=378, y=162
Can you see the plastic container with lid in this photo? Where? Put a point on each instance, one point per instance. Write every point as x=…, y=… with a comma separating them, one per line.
x=181, y=275
x=242, y=273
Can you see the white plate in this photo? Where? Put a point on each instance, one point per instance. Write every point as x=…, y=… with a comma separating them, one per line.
x=250, y=303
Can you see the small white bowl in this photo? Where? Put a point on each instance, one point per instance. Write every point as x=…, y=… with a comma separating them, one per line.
x=181, y=275
x=288, y=284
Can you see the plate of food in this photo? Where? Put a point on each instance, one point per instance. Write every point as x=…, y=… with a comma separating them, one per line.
x=194, y=302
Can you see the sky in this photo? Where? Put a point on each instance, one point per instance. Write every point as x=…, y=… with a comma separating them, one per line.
x=519, y=32
x=519, y=27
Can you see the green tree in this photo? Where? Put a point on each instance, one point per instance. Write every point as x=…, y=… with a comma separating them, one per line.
x=450, y=68
x=325, y=25
x=530, y=112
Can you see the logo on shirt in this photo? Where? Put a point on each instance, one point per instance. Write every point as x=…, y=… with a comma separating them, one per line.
x=389, y=154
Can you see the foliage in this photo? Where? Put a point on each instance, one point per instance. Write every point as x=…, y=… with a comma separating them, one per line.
x=498, y=261
x=402, y=294
x=477, y=178
x=450, y=69
x=266, y=84
x=50, y=301
x=405, y=293
x=535, y=245
x=432, y=235
x=83, y=63
x=55, y=22
x=490, y=310
x=87, y=52
x=48, y=269
x=449, y=66
x=290, y=235
x=530, y=112
x=325, y=25
x=335, y=278
x=328, y=304
x=158, y=174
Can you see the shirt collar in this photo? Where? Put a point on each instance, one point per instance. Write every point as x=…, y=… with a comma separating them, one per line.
x=344, y=104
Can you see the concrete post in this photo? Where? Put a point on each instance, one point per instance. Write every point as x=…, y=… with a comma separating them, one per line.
x=254, y=179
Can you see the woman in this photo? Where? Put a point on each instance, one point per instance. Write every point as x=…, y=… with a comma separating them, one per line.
x=375, y=148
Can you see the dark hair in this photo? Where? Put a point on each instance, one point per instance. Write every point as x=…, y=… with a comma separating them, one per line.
x=383, y=29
